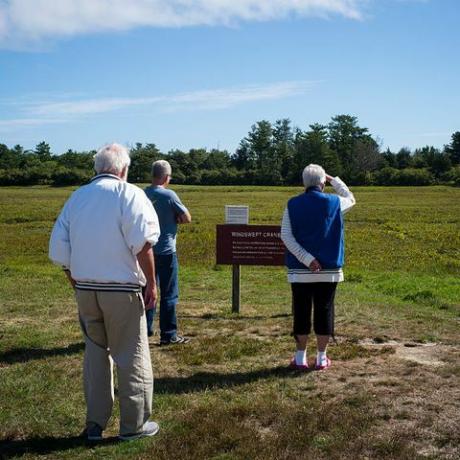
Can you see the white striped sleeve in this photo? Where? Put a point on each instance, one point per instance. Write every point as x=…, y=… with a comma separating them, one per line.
x=347, y=199
x=291, y=243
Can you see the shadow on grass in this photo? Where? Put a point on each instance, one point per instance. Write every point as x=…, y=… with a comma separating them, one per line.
x=47, y=445
x=229, y=317
x=198, y=382
x=203, y=381
x=22, y=355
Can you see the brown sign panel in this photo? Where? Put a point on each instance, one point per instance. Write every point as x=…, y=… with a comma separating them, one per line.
x=249, y=245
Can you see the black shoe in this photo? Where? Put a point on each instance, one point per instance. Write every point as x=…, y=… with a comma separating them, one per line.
x=93, y=432
x=177, y=340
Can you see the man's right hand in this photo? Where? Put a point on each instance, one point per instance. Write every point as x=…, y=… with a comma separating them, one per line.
x=150, y=296
x=328, y=178
x=147, y=263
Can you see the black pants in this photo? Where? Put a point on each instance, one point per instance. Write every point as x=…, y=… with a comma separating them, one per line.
x=321, y=297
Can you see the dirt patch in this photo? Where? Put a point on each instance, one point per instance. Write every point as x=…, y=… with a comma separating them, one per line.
x=414, y=392
x=428, y=354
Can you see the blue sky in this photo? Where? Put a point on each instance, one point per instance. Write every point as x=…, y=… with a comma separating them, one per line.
x=199, y=73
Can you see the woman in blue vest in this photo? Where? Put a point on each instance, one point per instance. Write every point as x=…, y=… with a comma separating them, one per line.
x=312, y=231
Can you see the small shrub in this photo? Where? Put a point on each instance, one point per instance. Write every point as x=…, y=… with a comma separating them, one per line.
x=453, y=176
x=408, y=176
x=412, y=176
x=65, y=176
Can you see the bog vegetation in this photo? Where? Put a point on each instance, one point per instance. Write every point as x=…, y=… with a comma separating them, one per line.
x=270, y=154
x=392, y=392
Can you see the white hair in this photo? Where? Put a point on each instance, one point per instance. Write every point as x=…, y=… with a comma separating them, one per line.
x=112, y=158
x=313, y=175
x=160, y=169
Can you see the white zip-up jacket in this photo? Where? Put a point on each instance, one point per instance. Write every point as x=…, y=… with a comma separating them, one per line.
x=100, y=230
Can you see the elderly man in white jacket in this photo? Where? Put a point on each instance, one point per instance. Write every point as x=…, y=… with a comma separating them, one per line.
x=103, y=240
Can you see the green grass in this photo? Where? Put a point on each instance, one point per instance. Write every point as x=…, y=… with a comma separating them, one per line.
x=227, y=394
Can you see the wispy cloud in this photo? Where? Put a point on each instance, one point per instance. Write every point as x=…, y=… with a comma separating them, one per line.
x=39, y=112
x=23, y=122
x=29, y=21
x=226, y=98
x=87, y=106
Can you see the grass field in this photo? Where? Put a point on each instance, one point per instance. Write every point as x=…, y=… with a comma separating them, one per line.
x=392, y=392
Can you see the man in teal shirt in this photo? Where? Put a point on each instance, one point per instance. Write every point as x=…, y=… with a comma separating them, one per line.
x=171, y=212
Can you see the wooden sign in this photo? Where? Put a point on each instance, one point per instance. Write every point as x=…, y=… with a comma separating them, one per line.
x=249, y=245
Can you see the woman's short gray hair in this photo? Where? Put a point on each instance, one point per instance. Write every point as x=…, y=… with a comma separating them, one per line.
x=160, y=169
x=313, y=175
x=112, y=158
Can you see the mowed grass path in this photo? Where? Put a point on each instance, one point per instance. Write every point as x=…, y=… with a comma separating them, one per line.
x=392, y=391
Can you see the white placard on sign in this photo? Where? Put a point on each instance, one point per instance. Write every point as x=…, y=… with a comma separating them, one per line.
x=237, y=214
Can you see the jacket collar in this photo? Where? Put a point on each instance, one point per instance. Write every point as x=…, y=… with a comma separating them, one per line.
x=314, y=188
x=108, y=175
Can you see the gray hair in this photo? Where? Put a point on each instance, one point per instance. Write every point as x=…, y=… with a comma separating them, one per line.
x=313, y=175
x=112, y=158
x=160, y=169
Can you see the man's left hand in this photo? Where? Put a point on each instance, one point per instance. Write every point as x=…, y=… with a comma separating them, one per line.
x=150, y=296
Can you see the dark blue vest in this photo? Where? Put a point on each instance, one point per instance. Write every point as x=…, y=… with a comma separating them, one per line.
x=317, y=225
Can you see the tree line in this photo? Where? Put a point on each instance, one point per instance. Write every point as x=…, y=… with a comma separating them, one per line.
x=270, y=154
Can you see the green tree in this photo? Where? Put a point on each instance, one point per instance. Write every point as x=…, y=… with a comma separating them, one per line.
x=43, y=151
x=76, y=160
x=419, y=159
x=244, y=158
x=453, y=149
x=182, y=168
x=283, y=145
x=344, y=133
x=197, y=158
x=142, y=158
x=8, y=158
x=269, y=157
x=366, y=160
x=404, y=158
x=438, y=162
x=257, y=152
x=313, y=147
x=217, y=160
x=389, y=159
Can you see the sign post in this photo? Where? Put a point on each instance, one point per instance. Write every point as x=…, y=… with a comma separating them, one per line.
x=236, y=296
x=247, y=245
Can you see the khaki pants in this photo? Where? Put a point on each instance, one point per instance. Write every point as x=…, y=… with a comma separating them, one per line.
x=114, y=327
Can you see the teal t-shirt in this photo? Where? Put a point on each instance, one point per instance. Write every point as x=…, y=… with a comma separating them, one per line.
x=167, y=206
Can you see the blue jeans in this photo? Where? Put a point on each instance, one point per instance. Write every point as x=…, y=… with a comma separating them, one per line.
x=166, y=268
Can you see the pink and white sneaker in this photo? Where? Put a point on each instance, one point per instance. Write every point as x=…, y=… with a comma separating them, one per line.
x=298, y=367
x=325, y=363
